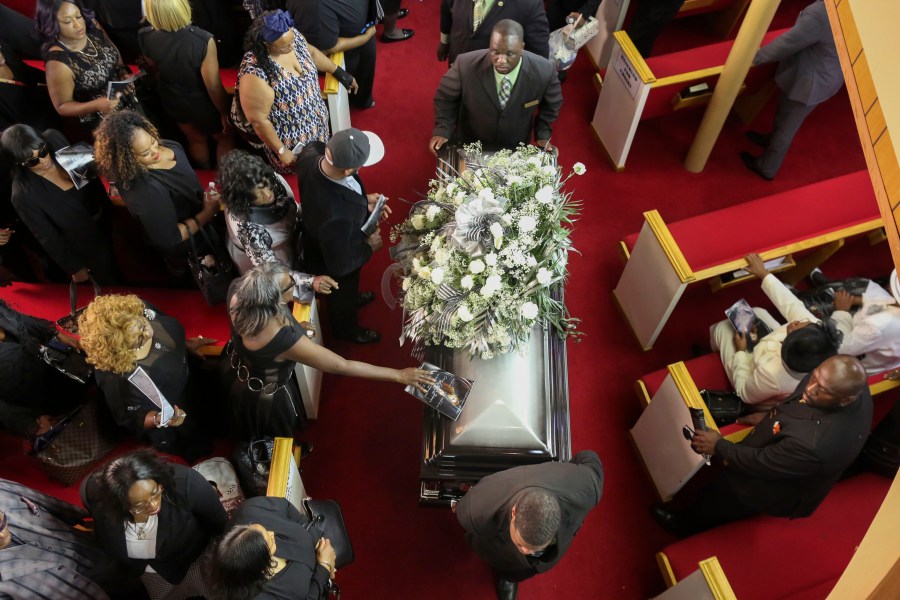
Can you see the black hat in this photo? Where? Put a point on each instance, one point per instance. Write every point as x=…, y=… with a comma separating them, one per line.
x=352, y=149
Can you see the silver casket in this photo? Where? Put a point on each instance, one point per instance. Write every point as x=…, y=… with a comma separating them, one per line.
x=517, y=414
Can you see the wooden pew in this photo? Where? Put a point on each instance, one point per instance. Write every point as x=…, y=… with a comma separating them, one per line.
x=665, y=396
x=771, y=558
x=663, y=259
x=708, y=582
x=635, y=89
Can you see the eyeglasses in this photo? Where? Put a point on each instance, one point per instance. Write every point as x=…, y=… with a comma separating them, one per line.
x=142, y=507
x=34, y=160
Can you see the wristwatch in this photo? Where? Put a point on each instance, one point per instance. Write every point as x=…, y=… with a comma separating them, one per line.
x=282, y=150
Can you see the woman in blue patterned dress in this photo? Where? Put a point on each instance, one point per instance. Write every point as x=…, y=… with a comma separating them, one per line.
x=277, y=104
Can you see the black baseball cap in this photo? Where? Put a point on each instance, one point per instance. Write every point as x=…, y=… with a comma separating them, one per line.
x=352, y=149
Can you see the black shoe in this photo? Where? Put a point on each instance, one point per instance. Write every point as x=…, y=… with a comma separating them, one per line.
x=306, y=449
x=404, y=12
x=667, y=520
x=364, y=298
x=506, y=590
x=760, y=139
x=361, y=336
x=817, y=277
x=405, y=35
x=750, y=162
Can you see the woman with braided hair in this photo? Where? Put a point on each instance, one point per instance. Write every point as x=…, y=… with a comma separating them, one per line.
x=277, y=104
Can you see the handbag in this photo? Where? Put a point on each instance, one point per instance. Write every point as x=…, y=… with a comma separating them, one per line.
x=69, y=323
x=220, y=474
x=252, y=460
x=725, y=407
x=70, y=362
x=212, y=281
x=326, y=520
x=72, y=446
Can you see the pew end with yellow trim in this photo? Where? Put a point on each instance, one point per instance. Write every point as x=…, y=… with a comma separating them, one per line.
x=284, y=474
x=708, y=582
x=664, y=258
x=634, y=89
x=309, y=379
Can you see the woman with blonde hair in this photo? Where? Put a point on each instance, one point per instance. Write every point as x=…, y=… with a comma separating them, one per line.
x=141, y=366
x=185, y=61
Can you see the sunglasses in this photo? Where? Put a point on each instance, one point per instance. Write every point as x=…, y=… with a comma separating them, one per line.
x=34, y=160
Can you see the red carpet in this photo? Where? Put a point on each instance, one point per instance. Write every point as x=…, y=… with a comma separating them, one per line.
x=368, y=435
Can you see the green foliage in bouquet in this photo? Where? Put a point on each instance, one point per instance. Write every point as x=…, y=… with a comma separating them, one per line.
x=480, y=254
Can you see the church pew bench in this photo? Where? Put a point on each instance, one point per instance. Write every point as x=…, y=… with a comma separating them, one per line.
x=771, y=558
x=665, y=396
x=664, y=258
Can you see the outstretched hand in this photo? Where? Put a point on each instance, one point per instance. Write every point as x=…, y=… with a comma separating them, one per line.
x=418, y=378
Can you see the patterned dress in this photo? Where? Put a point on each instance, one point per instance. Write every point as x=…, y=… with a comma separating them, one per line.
x=298, y=114
x=93, y=67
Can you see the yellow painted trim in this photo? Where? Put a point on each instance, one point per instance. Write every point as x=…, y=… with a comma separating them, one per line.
x=884, y=385
x=739, y=435
x=665, y=569
x=682, y=78
x=716, y=579
x=598, y=82
x=332, y=85
x=632, y=54
x=643, y=395
x=211, y=350
x=669, y=246
x=814, y=242
x=624, y=254
x=689, y=391
x=280, y=468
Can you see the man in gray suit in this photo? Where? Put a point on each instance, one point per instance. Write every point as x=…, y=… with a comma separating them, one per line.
x=809, y=74
x=466, y=25
x=492, y=95
x=522, y=521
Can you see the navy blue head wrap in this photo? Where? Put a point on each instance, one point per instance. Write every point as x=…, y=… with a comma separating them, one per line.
x=275, y=25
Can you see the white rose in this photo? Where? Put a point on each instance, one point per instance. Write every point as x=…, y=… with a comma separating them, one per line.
x=534, y=160
x=418, y=221
x=416, y=264
x=441, y=256
x=506, y=219
x=451, y=189
x=531, y=260
x=494, y=282
x=527, y=223
x=460, y=196
x=544, y=277
x=486, y=194
x=425, y=273
x=436, y=243
x=544, y=195
x=487, y=292
x=466, y=282
x=432, y=211
x=529, y=310
x=406, y=283
x=579, y=168
x=549, y=170
x=490, y=259
x=437, y=275
x=513, y=180
x=476, y=266
x=464, y=313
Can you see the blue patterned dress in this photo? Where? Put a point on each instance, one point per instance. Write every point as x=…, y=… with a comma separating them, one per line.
x=298, y=114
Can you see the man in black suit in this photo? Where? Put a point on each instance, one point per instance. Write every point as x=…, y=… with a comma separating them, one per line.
x=791, y=459
x=335, y=206
x=492, y=95
x=466, y=25
x=521, y=521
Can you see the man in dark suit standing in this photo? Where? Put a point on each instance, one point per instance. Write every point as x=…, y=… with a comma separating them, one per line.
x=466, y=25
x=791, y=459
x=492, y=95
x=335, y=206
x=521, y=521
x=808, y=74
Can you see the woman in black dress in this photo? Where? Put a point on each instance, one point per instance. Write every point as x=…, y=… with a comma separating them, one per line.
x=140, y=356
x=157, y=184
x=22, y=99
x=31, y=391
x=156, y=519
x=186, y=64
x=67, y=221
x=266, y=345
x=80, y=62
x=269, y=555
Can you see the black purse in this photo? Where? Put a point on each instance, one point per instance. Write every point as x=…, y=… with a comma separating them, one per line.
x=68, y=361
x=252, y=461
x=725, y=407
x=212, y=281
x=326, y=520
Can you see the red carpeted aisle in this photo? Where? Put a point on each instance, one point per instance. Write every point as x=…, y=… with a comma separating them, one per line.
x=368, y=435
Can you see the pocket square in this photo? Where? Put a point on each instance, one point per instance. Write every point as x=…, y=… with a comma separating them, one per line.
x=531, y=104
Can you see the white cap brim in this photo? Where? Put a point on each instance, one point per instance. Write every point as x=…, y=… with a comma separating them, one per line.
x=376, y=149
x=895, y=286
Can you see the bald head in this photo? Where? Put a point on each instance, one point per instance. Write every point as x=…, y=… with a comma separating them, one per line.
x=508, y=27
x=835, y=383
